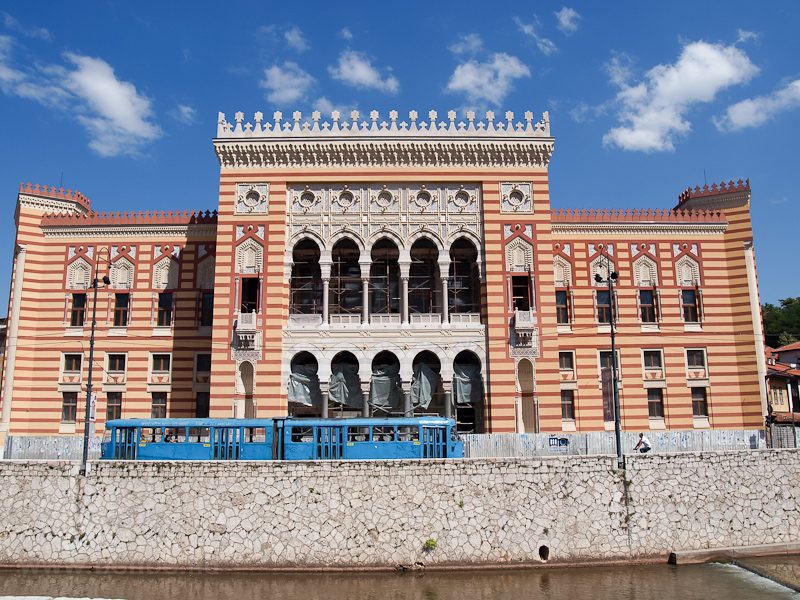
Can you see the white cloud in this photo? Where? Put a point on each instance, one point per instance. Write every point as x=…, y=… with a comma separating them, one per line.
x=757, y=111
x=467, y=44
x=183, y=113
x=345, y=34
x=567, y=20
x=30, y=84
x=620, y=69
x=653, y=110
x=294, y=37
x=33, y=32
x=356, y=69
x=545, y=46
x=745, y=36
x=326, y=107
x=118, y=115
x=489, y=81
x=286, y=84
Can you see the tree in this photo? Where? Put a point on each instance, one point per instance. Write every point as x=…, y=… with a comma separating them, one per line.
x=783, y=321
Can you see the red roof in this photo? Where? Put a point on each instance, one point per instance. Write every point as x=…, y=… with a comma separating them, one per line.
x=795, y=346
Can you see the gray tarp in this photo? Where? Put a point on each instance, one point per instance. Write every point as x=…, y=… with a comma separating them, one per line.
x=423, y=385
x=386, y=389
x=467, y=384
x=304, y=386
x=345, y=386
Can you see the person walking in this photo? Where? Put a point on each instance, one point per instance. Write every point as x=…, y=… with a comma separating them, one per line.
x=643, y=445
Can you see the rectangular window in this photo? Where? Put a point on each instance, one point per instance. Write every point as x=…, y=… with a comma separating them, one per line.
x=603, y=306
x=521, y=292
x=565, y=360
x=121, y=302
x=113, y=405
x=69, y=407
x=647, y=305
x=203, y=363
x=699, y=402
x=206, y=309
x=655, y=403
x=568, y=404
x=696, y=359
x=116, y=363
x=605, y=361
x=159, y=410
x=562, y=307
x=691, y=313
x=161, y=363
x=164, y=309
x=72, y=363
x=78, y=313
x=249, y=295
x=201, y=404
x=652, y=359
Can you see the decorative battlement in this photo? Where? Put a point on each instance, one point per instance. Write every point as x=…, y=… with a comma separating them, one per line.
x=714, y=190
x=637, y=216
x=51, y=192
x=357, y=144
x=132, y=218
x=356, y=128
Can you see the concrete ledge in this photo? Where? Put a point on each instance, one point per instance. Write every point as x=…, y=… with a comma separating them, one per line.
x=689, y=557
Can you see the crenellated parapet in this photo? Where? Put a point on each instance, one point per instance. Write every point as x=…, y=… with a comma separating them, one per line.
x=719, y=196
x=639, y=222
x=299, y=143
x=51, y=192
x=164, y=223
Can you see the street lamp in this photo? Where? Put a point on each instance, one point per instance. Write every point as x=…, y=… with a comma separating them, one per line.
x=612, y=277
x=88, y=418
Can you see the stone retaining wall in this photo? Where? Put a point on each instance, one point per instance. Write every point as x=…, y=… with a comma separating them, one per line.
x=361, y=513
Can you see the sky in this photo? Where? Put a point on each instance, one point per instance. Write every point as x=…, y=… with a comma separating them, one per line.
x=119, y=100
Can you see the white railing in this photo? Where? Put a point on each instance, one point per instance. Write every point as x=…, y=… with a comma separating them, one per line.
x=465, y=318
x=246, y=321
x=426, y=318
x=384, y=319
x=305, y=320
x=345, y=319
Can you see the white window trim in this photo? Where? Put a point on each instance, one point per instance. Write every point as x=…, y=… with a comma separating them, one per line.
x=158, y=386
x=571, y=382
x=697, y=381
x=69, y=386
x=599, y=368
x=654, y=382
x=109, y=386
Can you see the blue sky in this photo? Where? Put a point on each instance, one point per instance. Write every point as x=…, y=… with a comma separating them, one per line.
x=119, y=100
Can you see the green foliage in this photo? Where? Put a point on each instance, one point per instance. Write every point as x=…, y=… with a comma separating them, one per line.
x=783, y=321
x=429, y=545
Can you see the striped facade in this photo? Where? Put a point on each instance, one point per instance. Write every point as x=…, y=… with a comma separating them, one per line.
x=427, y=218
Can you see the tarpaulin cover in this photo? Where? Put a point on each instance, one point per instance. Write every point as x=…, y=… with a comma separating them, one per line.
x=467, y=384
x=423, y=385
x=345, y=386
x=386, y=389
x=304, y=386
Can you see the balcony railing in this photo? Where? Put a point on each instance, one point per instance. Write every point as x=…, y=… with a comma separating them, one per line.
x=246, y=321
x=345, y=319
x=426, y=319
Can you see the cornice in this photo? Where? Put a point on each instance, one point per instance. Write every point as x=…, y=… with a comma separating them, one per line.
x=309, y=153
x=639, y=229
x=49, y=204
x=719, y=202
x=205, y=230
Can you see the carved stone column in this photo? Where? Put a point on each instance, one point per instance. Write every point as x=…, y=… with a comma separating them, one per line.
x=404, y=300
x=408, y=411
x=448, y=402
x=445, y=301
x=365, y=297
x=325, y=292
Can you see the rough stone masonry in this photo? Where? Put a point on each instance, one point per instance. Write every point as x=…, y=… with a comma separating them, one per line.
x=388, y=513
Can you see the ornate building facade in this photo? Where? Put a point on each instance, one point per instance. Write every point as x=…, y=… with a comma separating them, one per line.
x=365, y=267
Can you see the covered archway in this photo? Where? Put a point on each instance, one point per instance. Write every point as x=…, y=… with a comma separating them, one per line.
x=465, y=282
x=384, y=279
x=345, y=289
x=305, y=285
x=427, y=393
x=386, y=391
x=468, y=392
x=424, y=295
x=344, y=388
x=304, y=396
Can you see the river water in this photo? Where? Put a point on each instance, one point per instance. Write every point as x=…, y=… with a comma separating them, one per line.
x=645, y=582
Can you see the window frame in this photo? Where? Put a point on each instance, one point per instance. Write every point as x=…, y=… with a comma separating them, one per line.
x=562, y=354
x=205, y=317
x=567, y=405
x=165, y=315
x=66, y=365
x=651, y=307
x=598, y=307
x=655, y=405
x=116, y=407
x=695, y=307
x=206, y=404
x=116, y=356
x=600, y=353
x=117, y=321
x=563, y=309
x=700, y=404
x=158, y=410
x=69, y=407
x=78, y=313
x=157, y=360
x=521, y=290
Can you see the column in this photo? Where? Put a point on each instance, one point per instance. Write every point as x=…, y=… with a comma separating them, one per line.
x=404, y=300
x=13, y=335
x=324, y=411
x=445, y=302
x=365, y=300
x=364, y=400
x=325, y=287
x=408, y=411
x=448, y=403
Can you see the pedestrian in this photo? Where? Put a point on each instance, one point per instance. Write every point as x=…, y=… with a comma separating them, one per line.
x=643, y=445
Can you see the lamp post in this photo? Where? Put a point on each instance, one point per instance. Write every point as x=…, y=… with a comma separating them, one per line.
x=612, y=277
x=88, y=416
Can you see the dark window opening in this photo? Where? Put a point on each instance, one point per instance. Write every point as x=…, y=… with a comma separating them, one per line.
x=206, y=309
x=565, y=360
x=249, y=302
x=696, y=359
x=113, y=405
x=69, y=407
x=464, y=287
x=603, y=306
x=161, y=362
x=605, y=361
x=203, y=363
x=159, y=410
x=305, y=288
x=384, y=278
x=562, y=307
x=121, y=304
x=345, y=287
x=521, y=292
x=647, y=306
x=655, y=402
x=201, y=404
x=568, y=404
x=691, y=312
x=72, y=362
x=652, y=358
x=423, y=275
x=699, y=402
x=78, y=313
x=116, y=363
x=164, y=309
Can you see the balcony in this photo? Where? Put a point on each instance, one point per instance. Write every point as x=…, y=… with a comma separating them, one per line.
x=426, y=319
x=246, y=321
x=246, y=345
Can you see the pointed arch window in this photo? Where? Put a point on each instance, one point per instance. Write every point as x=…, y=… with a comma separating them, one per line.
x=305, y=287
x=385, y=278
x=345, y=284
x=465, y=283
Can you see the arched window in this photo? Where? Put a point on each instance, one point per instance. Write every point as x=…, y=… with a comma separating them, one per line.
x=423, y=275
x=468, y=392
x=345, y=285
x=304, y=393
x=306, y=283
x=384, y=278
x=427, y=394
x=465, y=283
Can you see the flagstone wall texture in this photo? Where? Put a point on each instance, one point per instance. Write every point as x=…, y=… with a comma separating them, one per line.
x=367, y=514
